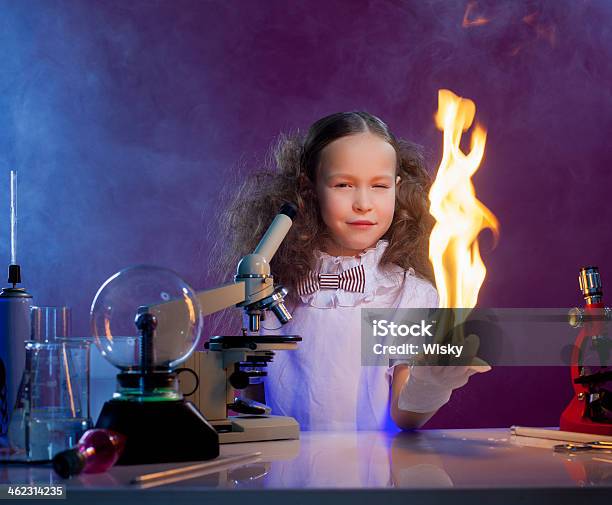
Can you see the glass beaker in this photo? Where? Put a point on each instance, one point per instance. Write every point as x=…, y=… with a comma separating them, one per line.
x=57, y=403
x=52, y=407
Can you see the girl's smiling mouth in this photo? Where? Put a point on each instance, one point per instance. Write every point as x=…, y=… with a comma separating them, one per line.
x=361, y=223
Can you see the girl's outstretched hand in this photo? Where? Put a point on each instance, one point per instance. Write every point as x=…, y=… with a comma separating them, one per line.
x=429, y=387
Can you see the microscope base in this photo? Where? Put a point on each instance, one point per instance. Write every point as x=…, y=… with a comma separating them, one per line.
x=237, y=429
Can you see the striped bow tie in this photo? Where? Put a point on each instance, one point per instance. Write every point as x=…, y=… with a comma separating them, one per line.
x=352, y=279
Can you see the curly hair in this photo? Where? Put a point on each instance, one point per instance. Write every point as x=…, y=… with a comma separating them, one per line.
x=290, y=177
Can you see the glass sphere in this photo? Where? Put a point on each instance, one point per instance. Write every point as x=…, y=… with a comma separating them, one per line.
x=146, y=289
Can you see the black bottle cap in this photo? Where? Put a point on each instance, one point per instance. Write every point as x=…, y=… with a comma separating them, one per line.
x=14, y=274
x=67, y=463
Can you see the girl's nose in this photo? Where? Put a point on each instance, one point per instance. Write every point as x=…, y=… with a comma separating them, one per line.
x=362, y=202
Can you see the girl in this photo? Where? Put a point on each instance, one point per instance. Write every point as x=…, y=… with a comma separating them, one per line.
x=362, y=203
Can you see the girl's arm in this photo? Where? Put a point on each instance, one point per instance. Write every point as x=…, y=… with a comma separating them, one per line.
x=402, y=418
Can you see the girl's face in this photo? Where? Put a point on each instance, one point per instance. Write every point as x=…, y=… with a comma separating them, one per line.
x=356, y=185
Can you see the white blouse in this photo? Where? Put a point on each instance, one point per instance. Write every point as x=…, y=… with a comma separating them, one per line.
x=323, y=384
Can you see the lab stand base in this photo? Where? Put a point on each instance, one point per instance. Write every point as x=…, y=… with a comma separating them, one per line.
x=236, y=429
x=160, y=432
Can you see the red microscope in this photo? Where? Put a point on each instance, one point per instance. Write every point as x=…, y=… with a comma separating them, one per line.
x=590, y=410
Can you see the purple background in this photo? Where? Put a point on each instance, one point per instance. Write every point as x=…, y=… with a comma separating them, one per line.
x=126, y=118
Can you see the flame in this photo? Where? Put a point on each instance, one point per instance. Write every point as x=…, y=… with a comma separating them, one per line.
x=460, y=216
x=476, y=21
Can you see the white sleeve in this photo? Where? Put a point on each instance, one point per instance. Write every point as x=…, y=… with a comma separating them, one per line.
x=416, y=293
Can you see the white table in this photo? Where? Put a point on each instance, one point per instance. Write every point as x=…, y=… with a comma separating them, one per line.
x=429, y=466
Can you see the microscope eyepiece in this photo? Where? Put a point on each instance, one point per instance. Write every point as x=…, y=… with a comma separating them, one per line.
x=289, y=209
x=590, y=284
x=254, y=270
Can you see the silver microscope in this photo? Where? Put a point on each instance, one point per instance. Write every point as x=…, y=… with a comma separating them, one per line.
x=211, y=378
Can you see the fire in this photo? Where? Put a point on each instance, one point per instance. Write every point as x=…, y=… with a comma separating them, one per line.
x=460, y=216
x=468, y=20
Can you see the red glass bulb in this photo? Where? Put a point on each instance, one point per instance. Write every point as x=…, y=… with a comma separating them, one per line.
x=96, y=452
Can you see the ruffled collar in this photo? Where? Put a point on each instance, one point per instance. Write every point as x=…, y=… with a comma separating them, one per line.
x=377, y=279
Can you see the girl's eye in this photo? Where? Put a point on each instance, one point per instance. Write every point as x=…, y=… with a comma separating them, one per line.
x=347, y=185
